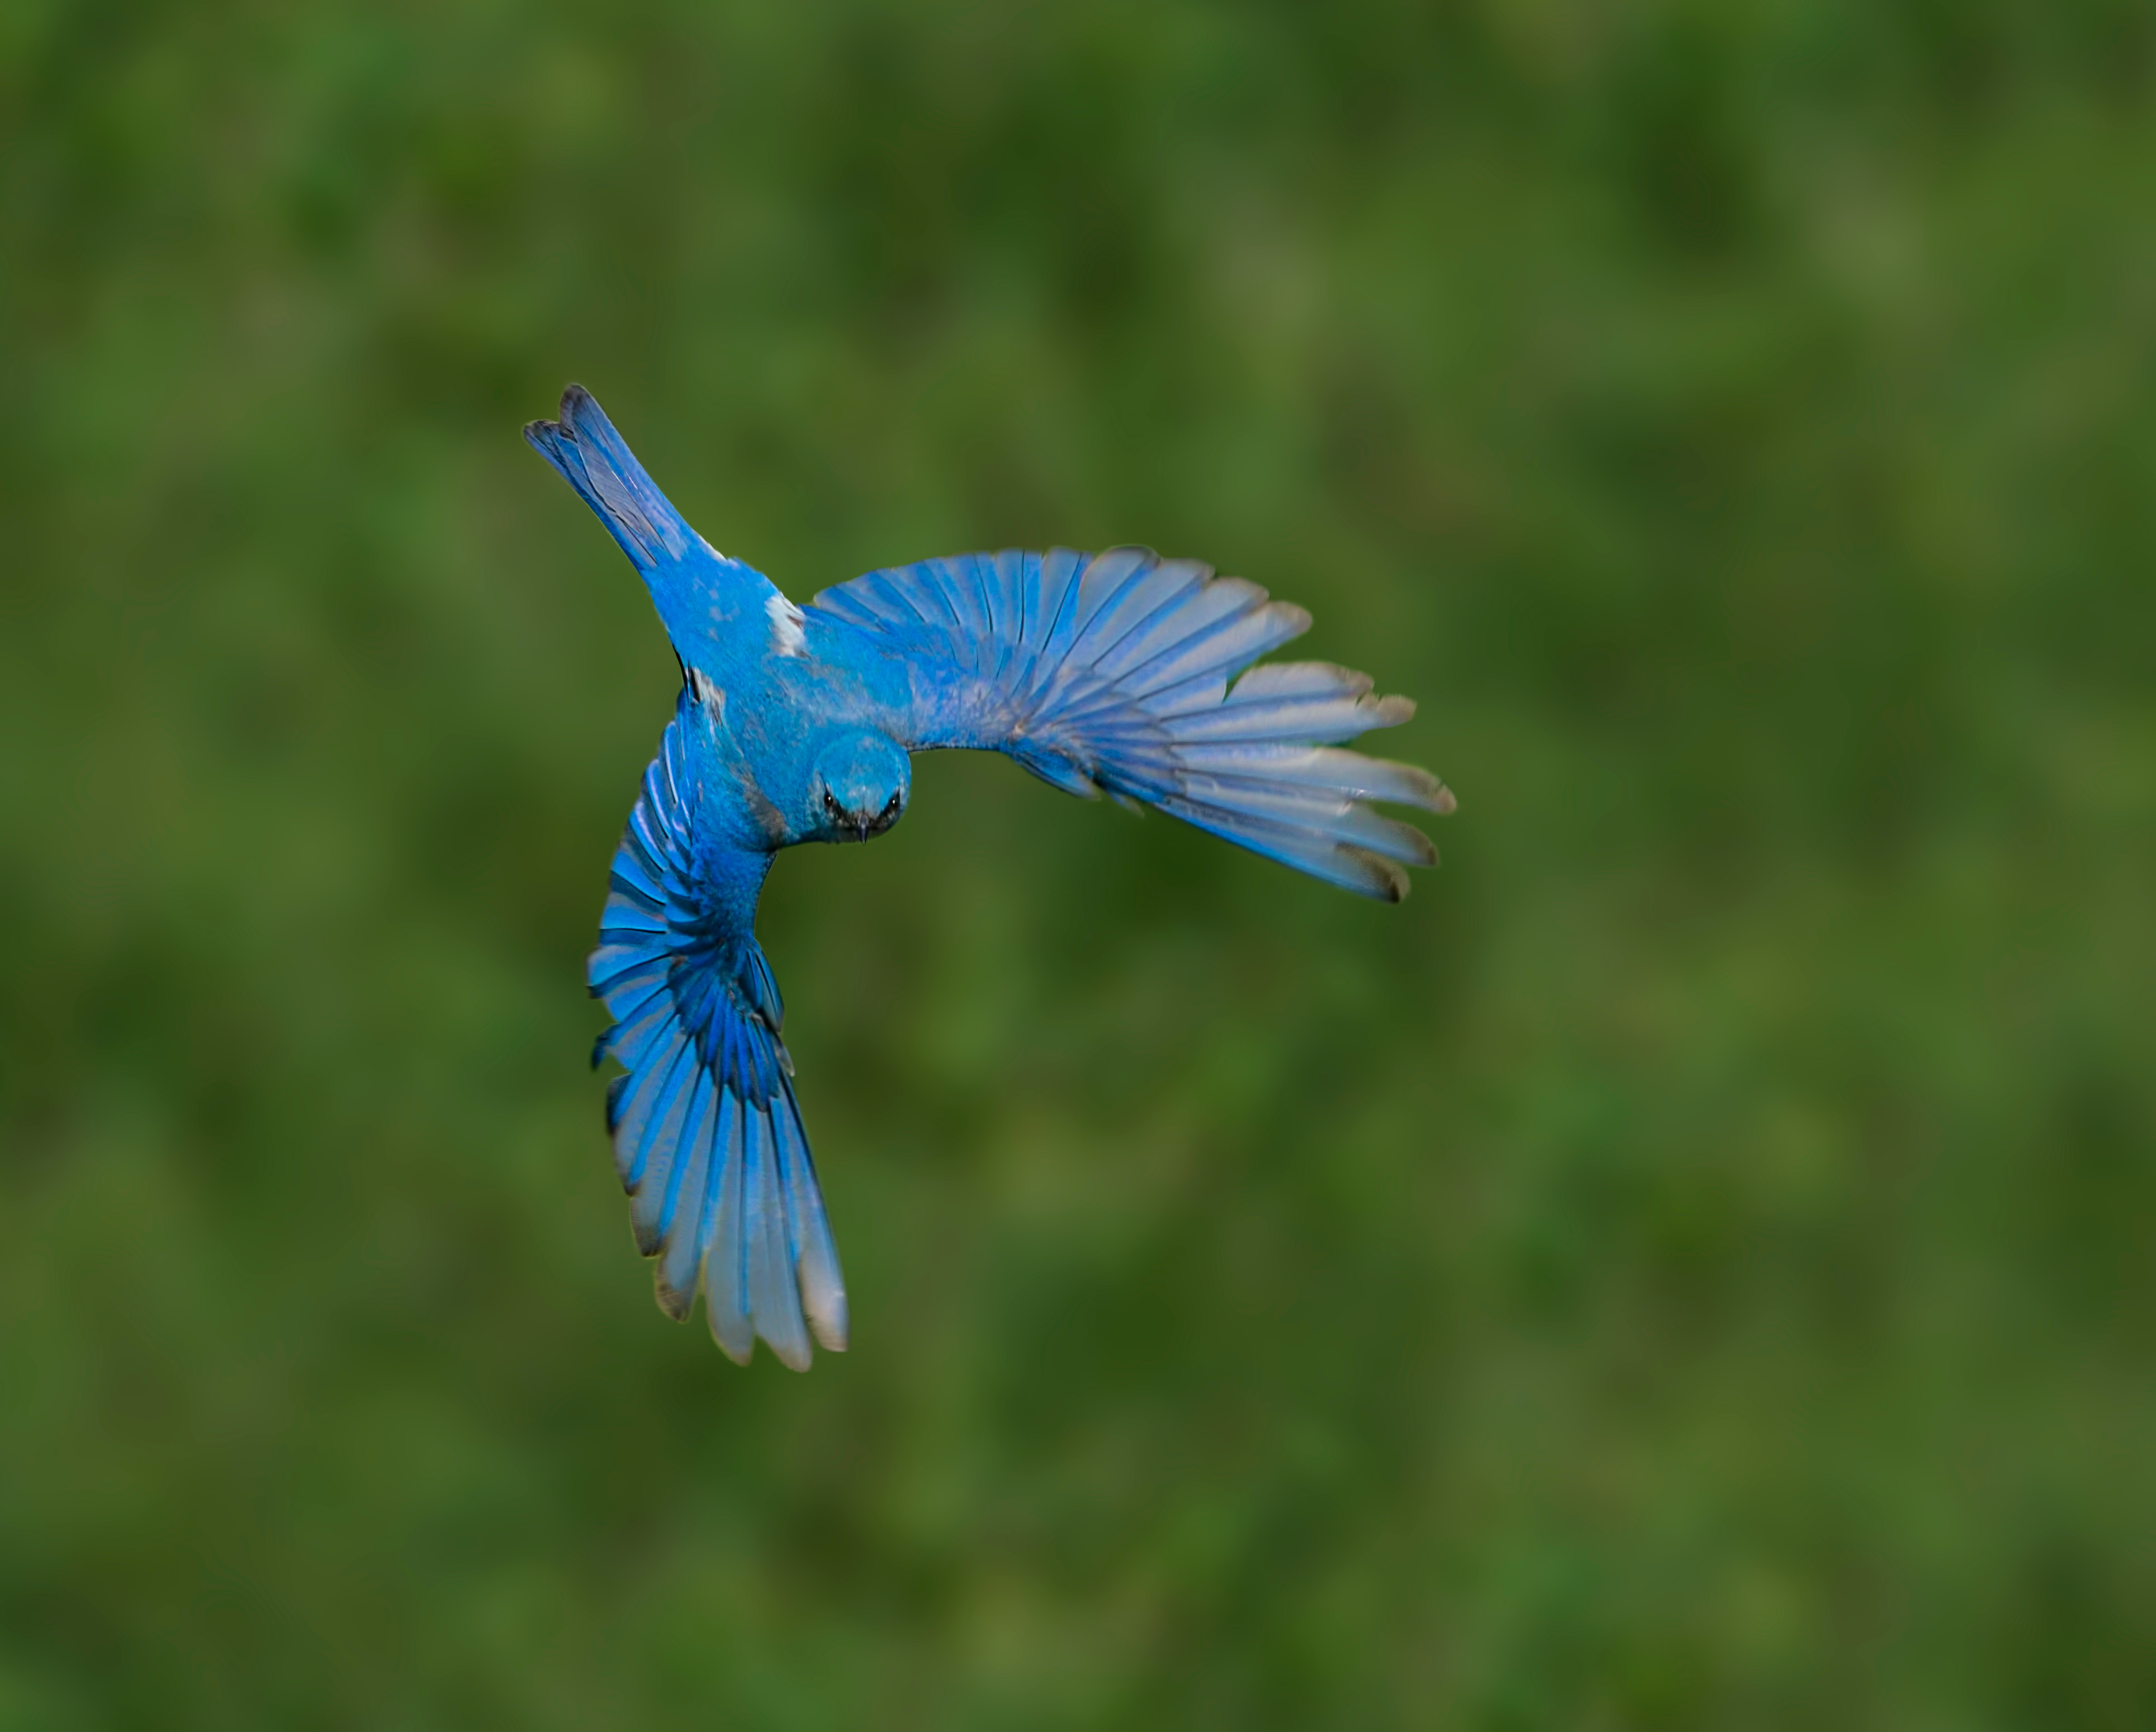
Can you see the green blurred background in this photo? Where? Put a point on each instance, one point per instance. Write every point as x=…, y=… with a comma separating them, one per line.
x=1689, y=1267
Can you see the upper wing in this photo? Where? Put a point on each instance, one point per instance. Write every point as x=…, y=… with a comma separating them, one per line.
x=706, y=1134
x=1112, y=672
x=698, y=590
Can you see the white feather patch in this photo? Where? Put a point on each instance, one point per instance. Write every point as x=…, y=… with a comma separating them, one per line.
x=786, y=636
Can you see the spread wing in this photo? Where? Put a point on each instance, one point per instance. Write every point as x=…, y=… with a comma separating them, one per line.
x=706, y=1134
x=1113, y=671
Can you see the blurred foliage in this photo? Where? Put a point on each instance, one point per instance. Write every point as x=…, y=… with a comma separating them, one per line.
x=1689, y=1267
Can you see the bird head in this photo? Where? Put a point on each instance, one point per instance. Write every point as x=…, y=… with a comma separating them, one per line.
x=858, y=786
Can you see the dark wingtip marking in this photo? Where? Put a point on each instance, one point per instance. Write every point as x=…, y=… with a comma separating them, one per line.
x=1386, y=880
x=1447, y=801
x=1426, y=850
x=672, y=1300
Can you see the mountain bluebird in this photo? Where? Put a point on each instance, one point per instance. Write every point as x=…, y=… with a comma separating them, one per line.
x=1115, y=671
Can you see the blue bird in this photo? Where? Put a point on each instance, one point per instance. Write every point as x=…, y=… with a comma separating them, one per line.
x=1114, y=671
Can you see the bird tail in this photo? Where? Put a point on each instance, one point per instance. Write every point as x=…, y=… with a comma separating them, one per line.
x=699, y=592
x=596, y=460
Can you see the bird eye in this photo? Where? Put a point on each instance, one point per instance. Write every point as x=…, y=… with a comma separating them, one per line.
x=895, y=799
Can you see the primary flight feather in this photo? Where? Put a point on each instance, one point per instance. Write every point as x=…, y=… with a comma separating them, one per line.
x=1115, y=671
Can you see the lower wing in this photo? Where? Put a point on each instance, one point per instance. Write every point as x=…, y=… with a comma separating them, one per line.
x=706, y=1134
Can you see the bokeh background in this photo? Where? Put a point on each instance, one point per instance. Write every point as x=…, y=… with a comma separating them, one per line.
x=1691, y=1266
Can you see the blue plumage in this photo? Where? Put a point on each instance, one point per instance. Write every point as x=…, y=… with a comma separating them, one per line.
x=1119, y=672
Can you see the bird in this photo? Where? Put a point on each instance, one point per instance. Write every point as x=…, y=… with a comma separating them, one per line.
x=1119, y=672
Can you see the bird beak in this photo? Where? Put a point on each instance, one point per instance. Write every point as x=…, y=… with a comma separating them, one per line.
x=861, y=825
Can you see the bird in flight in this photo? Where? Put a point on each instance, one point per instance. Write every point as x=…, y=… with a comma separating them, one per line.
x=1115, y=671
